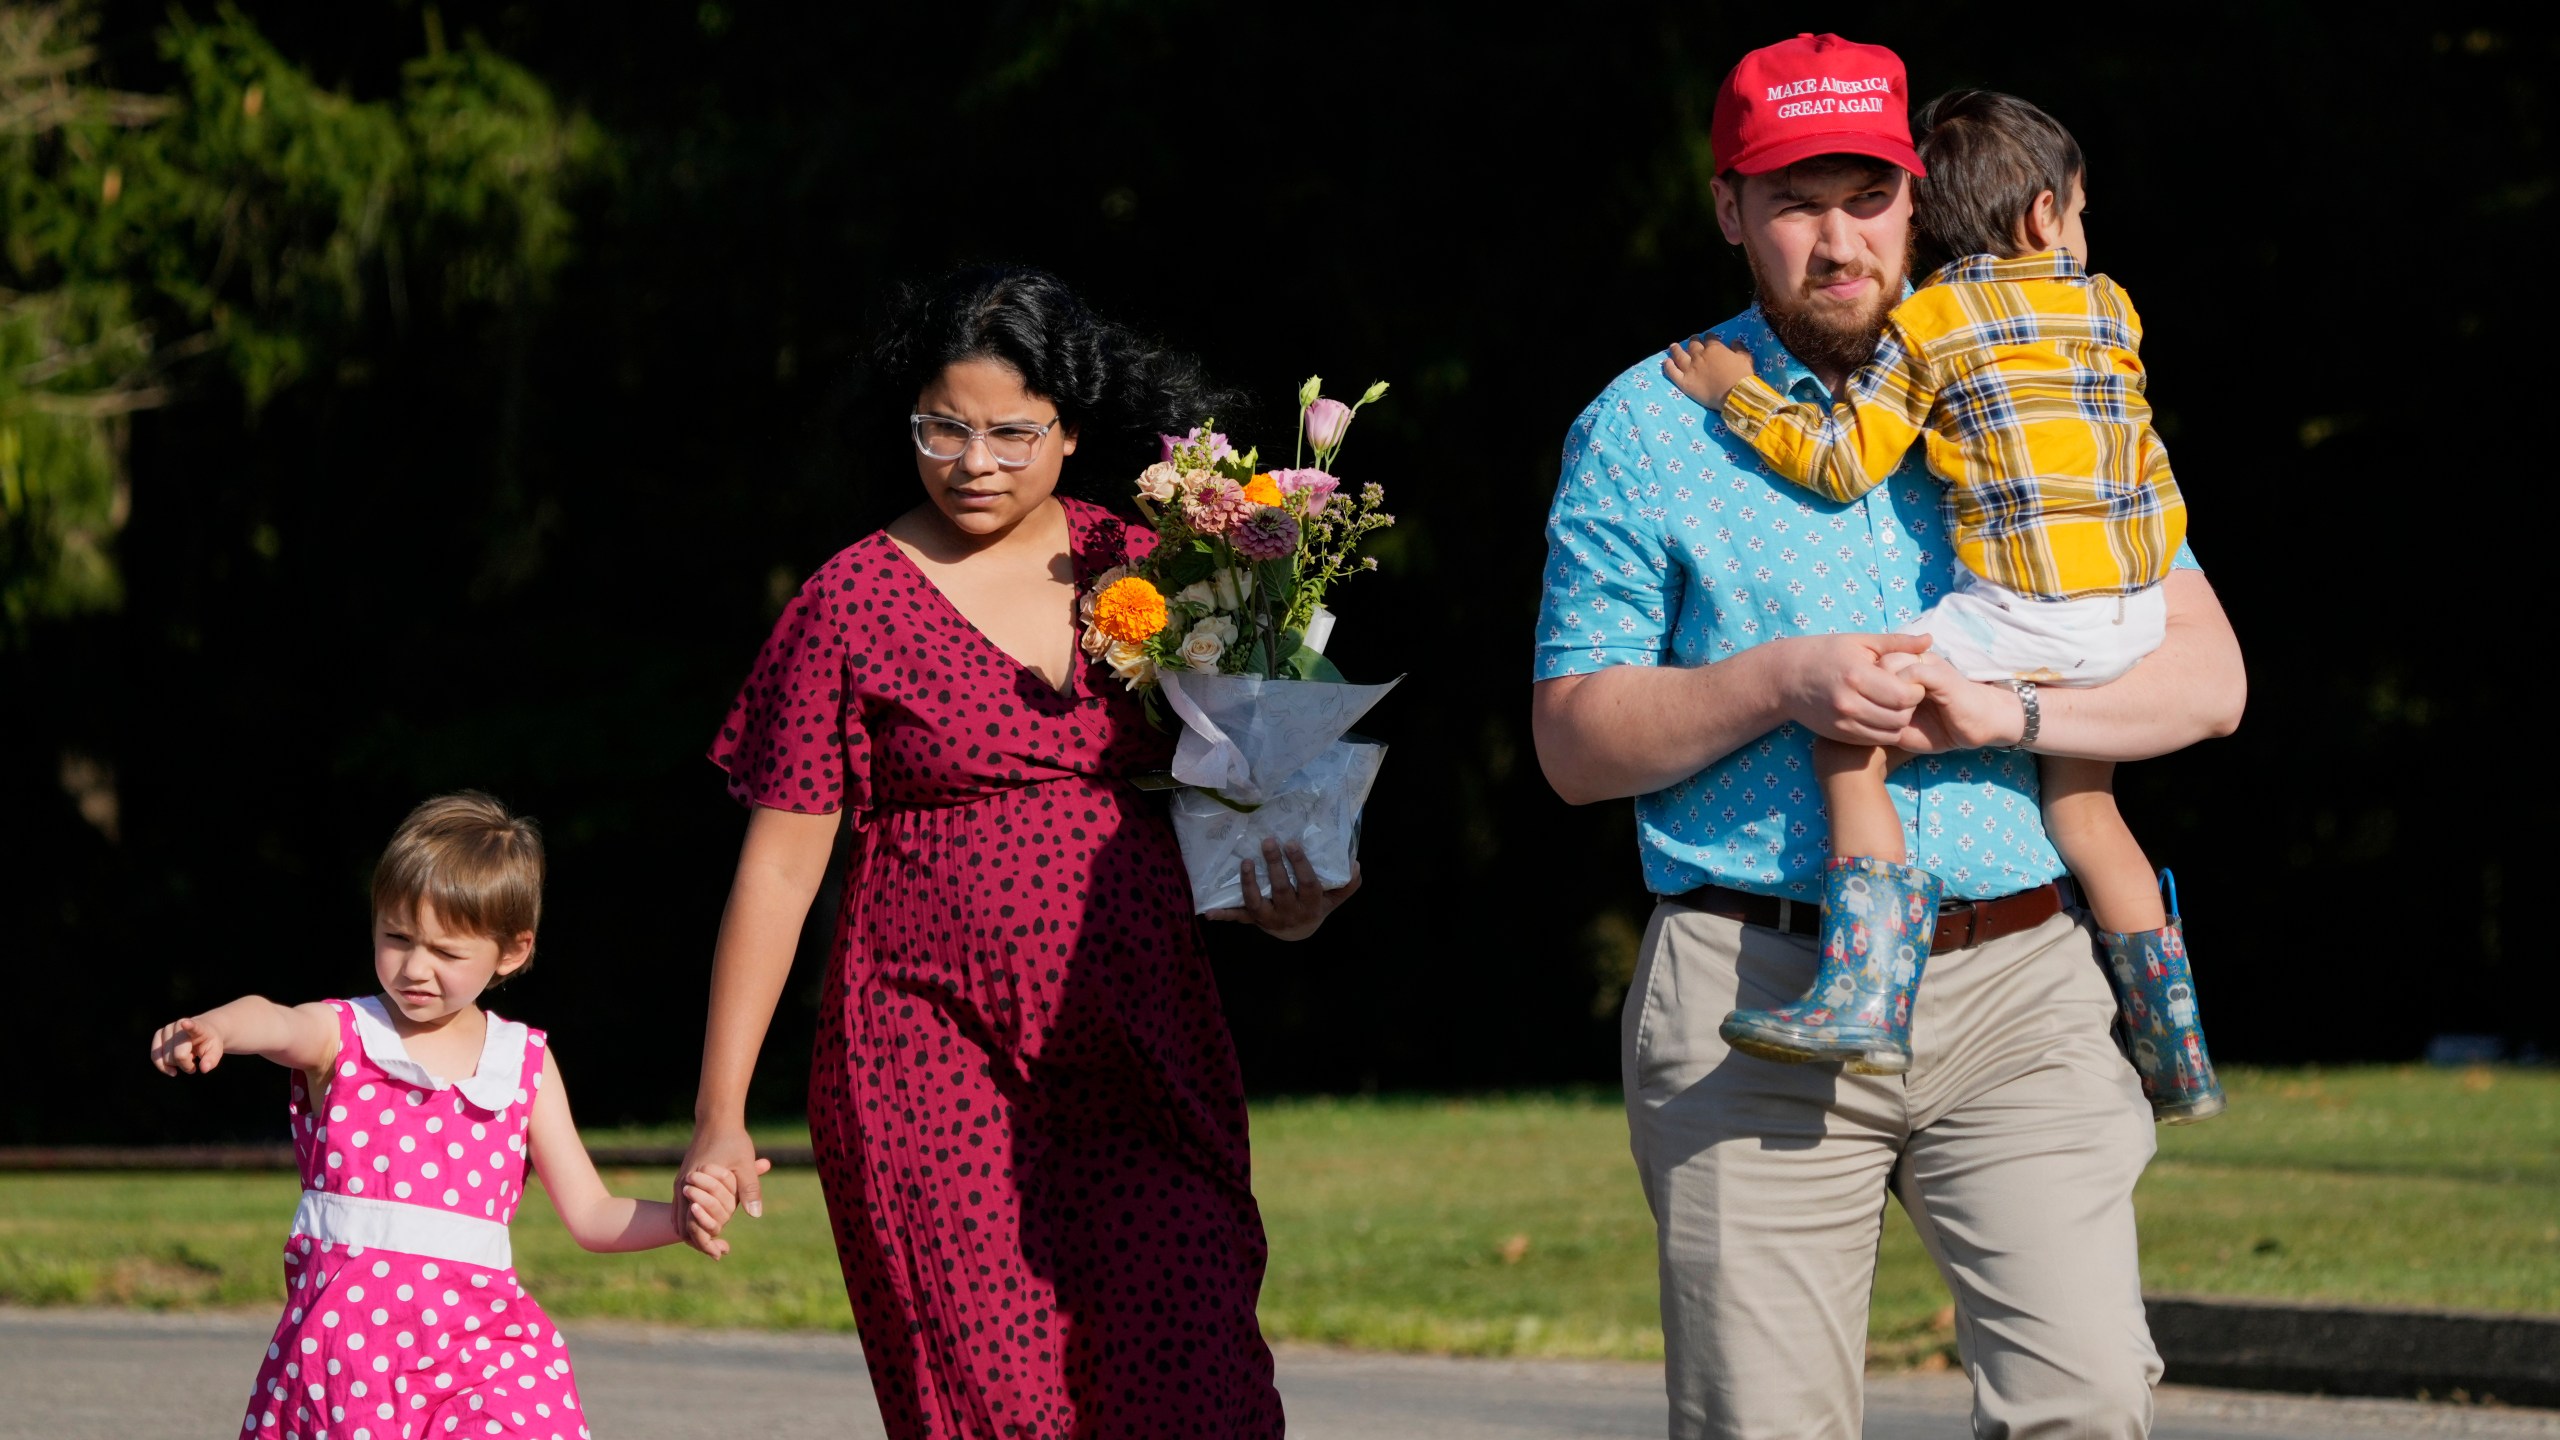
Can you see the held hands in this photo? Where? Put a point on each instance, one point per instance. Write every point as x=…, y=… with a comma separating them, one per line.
x=1293, y=910
x=1889, y=690
x=728, y=1152
x=192, y=1046
x=705, y=1200
x=1959, y=714
x=1853, y=688
x=1706, y=369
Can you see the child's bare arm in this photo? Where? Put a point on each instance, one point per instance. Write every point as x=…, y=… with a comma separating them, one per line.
x=1706, y=369
x=300, y=1037
x=595, y=1217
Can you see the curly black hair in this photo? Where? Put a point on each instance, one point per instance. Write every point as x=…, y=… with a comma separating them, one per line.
x=1118, y=388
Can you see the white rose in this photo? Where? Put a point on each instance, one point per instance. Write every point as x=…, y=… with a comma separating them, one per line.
x=1207, y=643
x=1159, y=482
x=1225, y=590
x=1130, y=663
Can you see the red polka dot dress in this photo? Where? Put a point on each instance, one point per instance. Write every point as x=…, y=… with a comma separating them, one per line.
x=1027, y=1110
x=403, y=1317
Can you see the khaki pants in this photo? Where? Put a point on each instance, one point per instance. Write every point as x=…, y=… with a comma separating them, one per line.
x=2013, y=1144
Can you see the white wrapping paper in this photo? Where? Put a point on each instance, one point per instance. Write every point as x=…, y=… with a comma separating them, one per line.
x=1319, y=809
x=1273, y=751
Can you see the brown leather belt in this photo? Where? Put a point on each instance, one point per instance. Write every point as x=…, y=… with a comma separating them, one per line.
x=1961, y=923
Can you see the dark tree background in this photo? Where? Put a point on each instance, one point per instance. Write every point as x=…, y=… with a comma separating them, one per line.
x=531, y=544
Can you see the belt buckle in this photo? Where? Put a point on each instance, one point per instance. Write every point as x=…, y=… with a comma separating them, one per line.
x=1948, y=911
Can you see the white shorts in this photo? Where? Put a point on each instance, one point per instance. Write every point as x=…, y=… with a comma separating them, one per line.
x=1991, y=632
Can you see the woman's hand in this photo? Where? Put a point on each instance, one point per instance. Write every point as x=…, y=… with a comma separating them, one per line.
x=1290, y=912
x=725, y=1149
x=712, y=1196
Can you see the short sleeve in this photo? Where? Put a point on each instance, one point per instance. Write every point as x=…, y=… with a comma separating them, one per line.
x=1607, y=597
x=794, y=738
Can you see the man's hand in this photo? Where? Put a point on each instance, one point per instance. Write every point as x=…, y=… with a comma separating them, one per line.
x=1959, y=714
x=1845, y=687
x=1635, y=729
x=1705, y=369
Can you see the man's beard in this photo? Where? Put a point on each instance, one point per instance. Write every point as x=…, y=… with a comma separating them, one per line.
x=1824, y=334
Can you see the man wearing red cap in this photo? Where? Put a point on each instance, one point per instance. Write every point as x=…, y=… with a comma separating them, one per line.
x=1703, y=621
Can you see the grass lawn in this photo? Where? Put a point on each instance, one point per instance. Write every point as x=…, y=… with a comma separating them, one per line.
x=1514, y=1225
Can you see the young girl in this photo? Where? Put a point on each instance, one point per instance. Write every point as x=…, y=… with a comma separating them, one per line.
x=414, y=1113
x=2018, y=369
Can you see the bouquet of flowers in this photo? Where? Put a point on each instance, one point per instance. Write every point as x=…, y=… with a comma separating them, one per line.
x=1225, y=622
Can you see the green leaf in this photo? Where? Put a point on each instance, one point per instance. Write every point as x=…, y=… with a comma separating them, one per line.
x=1306, y=664
x=1248, y=657
x=1186, y=567
x=1279, y=579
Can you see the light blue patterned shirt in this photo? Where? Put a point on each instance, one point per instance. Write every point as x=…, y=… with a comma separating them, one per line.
x=1670, y=544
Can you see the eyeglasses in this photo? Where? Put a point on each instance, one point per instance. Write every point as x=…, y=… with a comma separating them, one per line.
x=942, y=438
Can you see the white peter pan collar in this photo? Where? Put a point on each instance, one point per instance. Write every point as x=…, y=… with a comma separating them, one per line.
x=494, y=1081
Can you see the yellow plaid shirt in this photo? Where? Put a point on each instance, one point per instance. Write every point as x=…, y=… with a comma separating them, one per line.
x=2023, y=375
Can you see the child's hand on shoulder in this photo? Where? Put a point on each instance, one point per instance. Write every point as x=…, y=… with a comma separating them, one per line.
x=1706, y=369
x=711, y=1197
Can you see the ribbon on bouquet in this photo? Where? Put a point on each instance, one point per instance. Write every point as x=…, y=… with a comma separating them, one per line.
x=1244, y=737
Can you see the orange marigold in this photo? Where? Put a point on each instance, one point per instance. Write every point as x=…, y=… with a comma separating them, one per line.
x=1130, y=611
x=1263, y=490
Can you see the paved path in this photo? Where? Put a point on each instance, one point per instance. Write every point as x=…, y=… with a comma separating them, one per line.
x=119, y=1375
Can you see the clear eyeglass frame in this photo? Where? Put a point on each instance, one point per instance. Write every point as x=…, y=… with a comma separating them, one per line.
x=1011, y=445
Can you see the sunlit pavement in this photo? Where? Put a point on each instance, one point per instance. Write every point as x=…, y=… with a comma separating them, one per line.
x=120, y=1375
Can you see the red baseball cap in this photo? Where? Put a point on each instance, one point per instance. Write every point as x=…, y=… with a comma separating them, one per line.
x=1813, y=95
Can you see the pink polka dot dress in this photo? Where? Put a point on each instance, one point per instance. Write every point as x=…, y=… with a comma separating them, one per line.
x=403, y=1317
x=1029, y=1119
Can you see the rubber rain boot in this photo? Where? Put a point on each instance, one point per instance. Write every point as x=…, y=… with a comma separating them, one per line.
x=1878, y=919
x=2156, y=1017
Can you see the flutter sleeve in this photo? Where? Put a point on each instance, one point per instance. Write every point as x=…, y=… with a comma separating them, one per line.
x=794, y=739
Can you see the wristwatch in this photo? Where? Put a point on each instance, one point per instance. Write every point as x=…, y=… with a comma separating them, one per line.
x=2035, y=717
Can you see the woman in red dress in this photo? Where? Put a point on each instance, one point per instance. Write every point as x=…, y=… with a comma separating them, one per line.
x=1027, y=1111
